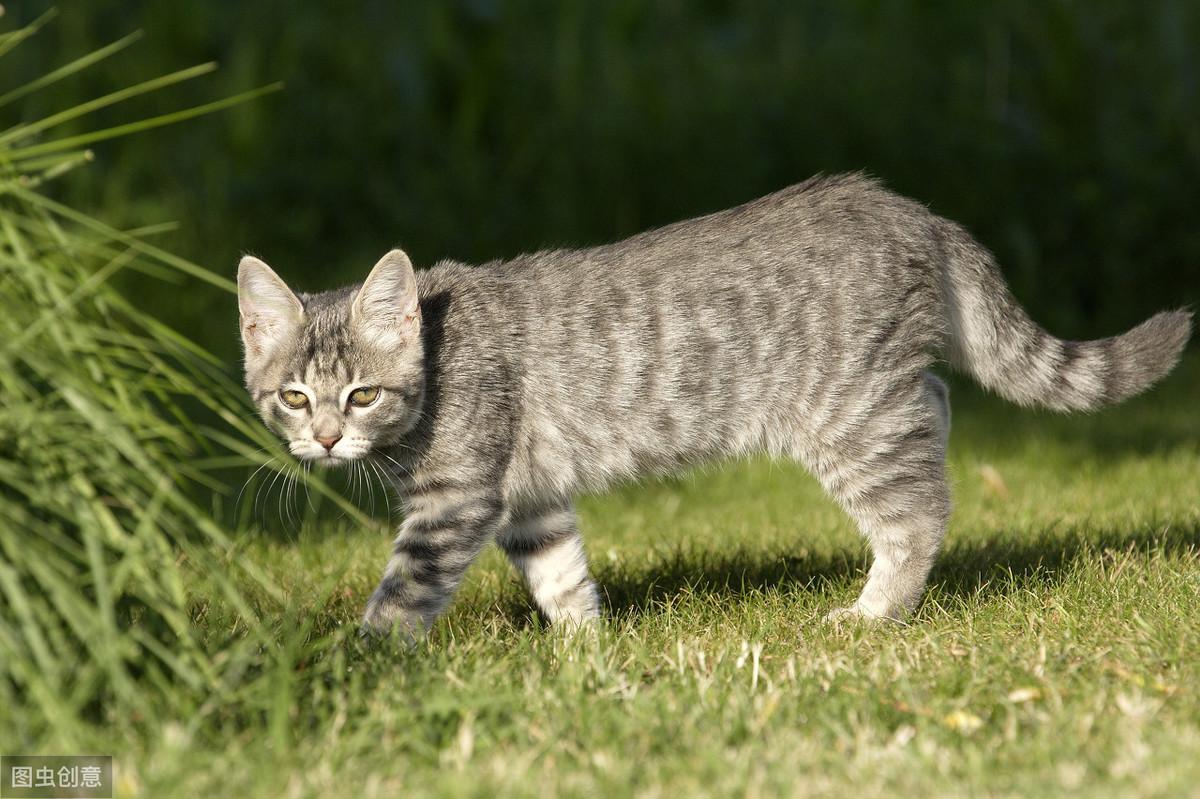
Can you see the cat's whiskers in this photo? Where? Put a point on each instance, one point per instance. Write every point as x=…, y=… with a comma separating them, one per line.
x=393, y=460
x=291, y=486
x=384, y=472
x=246, y=483
x=269, y=487
x=283, y=487
x=356, y=489
x=366, y=479
x=364, y=483
x=386, y=484
x=307, y=496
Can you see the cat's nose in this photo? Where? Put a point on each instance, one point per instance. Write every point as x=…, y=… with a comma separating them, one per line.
x=328, y=441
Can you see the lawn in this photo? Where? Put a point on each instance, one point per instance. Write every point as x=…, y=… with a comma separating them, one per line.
x=1058, y=650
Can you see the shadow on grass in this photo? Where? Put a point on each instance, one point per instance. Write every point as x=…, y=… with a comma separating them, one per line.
x=966, y=569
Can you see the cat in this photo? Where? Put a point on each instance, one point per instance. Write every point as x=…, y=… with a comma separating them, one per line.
x=802, y=324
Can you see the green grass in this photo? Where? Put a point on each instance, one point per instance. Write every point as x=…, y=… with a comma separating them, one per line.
x=1058, y=650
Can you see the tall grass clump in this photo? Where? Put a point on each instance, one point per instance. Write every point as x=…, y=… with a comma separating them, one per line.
x=103, y=470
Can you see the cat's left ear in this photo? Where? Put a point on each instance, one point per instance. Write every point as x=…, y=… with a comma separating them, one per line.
x=385, y=307
x=269, y=310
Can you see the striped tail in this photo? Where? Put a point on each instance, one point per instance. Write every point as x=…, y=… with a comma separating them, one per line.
x=994, y=340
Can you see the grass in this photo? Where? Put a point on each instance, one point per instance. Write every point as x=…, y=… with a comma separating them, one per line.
x=1058, y=650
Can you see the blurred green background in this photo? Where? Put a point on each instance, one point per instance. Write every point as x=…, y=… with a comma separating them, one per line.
x=1066, y=135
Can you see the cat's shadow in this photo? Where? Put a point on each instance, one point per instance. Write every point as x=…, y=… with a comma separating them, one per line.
x=966, y=569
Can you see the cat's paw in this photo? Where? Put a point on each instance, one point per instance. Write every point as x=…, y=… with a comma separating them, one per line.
x=570, y=627
x=385, y=621
x=857, y=614
x=848, y=615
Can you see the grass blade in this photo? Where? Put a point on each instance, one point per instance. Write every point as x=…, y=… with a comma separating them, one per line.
x=143, y=125
x=24, y=131
x=67, y=70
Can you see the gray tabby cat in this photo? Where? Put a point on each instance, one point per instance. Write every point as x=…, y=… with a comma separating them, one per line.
x=801, y=324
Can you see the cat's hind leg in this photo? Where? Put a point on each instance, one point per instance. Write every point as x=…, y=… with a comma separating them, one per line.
x=892, y=482
x=545, y=547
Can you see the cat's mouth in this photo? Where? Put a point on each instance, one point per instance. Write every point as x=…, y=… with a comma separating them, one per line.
x=333, y=459
x=312, y=452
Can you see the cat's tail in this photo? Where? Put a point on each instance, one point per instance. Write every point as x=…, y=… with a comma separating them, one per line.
x=994, y=340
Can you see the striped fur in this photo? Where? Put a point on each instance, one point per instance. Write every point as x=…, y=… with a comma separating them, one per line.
x=803, y=324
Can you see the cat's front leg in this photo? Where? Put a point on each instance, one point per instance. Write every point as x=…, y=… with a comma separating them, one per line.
x=443, y=533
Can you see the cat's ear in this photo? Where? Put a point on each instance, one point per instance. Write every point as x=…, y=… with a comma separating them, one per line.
x=386, y=308
x=269, y=311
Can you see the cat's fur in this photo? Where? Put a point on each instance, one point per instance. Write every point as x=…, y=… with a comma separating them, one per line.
x=801, y=324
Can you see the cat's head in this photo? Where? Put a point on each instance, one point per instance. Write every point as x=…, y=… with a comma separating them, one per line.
x=335, y=374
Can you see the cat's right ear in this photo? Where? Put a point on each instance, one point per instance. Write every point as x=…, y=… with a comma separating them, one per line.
x=269, y=310
x=385, y=307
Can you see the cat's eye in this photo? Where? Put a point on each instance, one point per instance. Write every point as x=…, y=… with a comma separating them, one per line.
x=293, y=399
x=362, y=397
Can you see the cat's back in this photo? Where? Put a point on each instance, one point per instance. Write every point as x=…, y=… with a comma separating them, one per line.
x=821, y=213
x=813, y=223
